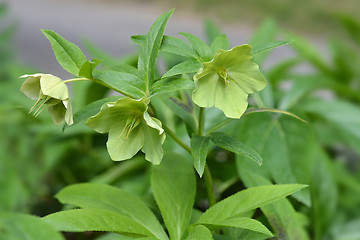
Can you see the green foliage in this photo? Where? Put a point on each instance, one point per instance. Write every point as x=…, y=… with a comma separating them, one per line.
x=167, y=199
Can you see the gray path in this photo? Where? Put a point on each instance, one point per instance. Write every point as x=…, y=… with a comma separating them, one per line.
x=109, y=25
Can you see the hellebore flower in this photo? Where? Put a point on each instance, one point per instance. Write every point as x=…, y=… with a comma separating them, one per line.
x=226, y=81
x=51, y=93
x=130, y=129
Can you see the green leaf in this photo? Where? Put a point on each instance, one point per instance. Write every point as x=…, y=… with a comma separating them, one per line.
x=263, y=47
x=80, y=220
x=233, y=145
x=178, y=46
x=264, y=34
x=125, y=83
x=221, y=42
x=189, y=66
x=343, y=116
x=247, y=200
x=183, y=110
x=212, y=31
x=199, y=232
x=70, y=56
x=351, y=26
x=199, y=46
x=171, y=85
x=285, y=221
x=100, y=196
x=92, y=109
x=150, y=50
x=171, y=45
x=173, y=184
x=239, y=222
x=88, y=68
x=15, y=226
x=199, y=150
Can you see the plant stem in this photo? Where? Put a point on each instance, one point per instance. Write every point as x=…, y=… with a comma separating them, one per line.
x=201, y=122
x=226, y=121
x=207, y=174
x=76, y=79
x=176, y=139
x=209, y=186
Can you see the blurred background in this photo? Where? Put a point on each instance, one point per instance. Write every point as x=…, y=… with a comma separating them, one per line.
x=37, y=159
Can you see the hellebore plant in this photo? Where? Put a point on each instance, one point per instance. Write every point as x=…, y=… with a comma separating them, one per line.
x=136, y=119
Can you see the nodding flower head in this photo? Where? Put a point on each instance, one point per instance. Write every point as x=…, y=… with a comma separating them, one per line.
x=51, y=93
x=226, y=81
x=130, y=129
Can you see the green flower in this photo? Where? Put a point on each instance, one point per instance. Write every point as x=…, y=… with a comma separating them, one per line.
x=226, y=81
x=130, y=129
x=51, y=93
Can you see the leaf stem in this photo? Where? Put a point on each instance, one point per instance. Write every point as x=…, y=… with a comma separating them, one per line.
x=77, y=79
x=207, y=174
x=176, y=139
x=201, y=122
x=209, y=186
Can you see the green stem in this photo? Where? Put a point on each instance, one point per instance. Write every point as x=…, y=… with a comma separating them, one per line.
x=77, y=79
x=176, y=139
x=209, y=186
x=216, y=127
x=207, y=174
x=201, y=122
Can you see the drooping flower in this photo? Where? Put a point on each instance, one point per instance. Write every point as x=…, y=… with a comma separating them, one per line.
x=51, y=93
x=226, y=81
x=130, y=129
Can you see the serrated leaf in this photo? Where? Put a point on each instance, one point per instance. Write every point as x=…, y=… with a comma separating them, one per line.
x=80, y=220
x=281, y=214
x=220, y=42
x=15, y=226
x=189, y=66
x=171, y=45
x=247, y=200
x=263, y=47
x=122, y=82
x=199, y=150
x=88, y=67
x=178, y=46
x=199, y=232
x=240, y=222
x=150, y=50
x=202, y=49
x=173, y=184
x=101, y=196
x=233, y=145
x=70, y=56
x=171, y=85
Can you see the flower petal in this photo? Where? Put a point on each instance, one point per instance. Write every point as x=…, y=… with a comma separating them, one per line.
x=68, y=114
x=31, y=86
x=57, y=113
x=205, y=89
x=112, y=112
x=231, y=99
x=152, y=123
x=54, y=87
x=153, y=142
x=122, y=147
x=247, y=76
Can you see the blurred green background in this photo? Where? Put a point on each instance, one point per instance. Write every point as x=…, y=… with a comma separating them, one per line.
x=37, y=159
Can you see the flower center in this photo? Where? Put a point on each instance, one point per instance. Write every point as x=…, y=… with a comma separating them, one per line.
x=40, y=104
x=130, y=125
x=224, y=76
